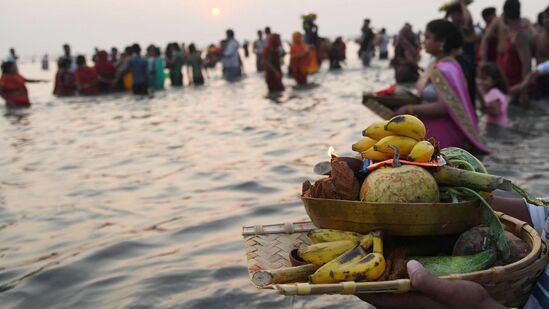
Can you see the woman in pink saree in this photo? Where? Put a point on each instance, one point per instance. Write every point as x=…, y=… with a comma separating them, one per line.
x=446, y=109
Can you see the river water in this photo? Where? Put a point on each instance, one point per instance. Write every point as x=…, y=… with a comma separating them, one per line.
x=125, y=202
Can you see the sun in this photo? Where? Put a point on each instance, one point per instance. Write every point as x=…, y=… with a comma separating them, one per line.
x=216, y=12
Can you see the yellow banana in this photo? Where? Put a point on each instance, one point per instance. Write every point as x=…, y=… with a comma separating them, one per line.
x=375, y=155
x=363, y=144
x=376, y=130
x=322, y=253
x=403, y=143
x=327, y=273
x=422, y=152
x=406, y=125
x=327, y=235
x=354, y=265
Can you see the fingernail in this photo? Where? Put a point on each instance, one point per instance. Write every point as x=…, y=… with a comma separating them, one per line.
x=413, y=266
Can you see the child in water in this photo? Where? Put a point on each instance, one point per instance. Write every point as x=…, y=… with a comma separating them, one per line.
x=495, y=95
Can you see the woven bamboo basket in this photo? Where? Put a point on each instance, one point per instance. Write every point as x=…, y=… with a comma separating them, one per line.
x=384, y=106
x=268, y=248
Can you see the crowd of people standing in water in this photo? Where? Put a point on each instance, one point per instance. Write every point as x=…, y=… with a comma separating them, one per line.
x=473, y=70
x=504, y=48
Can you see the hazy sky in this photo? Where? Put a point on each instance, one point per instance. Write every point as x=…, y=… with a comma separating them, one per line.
x=38, y=26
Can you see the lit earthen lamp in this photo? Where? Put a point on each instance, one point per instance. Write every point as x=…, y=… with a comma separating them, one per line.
x=325, y=167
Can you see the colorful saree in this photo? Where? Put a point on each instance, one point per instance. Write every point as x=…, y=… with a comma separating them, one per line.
x=458, y=128
x=271, y=61
x=13, y=87
x=301, y=63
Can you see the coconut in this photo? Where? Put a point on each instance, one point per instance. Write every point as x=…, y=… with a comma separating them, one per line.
x=400, y=184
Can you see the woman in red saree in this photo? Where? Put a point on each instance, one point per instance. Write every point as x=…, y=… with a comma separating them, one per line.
x=446, y=109
x=86, y=78
x=299, y=59
x=271, y=62
x=12, y=86
x=105, y=72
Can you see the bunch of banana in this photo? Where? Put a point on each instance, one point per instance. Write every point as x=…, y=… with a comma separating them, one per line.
x=405, y=132
x=330, y=244
x=354, y=265
x=327, y=235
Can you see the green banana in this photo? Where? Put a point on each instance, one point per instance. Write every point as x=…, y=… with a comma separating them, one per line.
x=456, y=156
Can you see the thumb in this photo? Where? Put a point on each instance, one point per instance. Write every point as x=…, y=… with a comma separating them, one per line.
x=423, y=281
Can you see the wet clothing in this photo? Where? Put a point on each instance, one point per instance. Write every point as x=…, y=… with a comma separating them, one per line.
x=156, y=71
x=231, y=61
x=175, y=66
x=159, y=76
x=271, y=59
x=383, y=50
x=65, y=83
x=86, y=80
x=405, y=59
x=300, y=61
x=492, y=97
x=105, y=71
x=510, y=63
x=13, y=87
x=194, y=61
x=366, y=51
x=140, y=75
x=336, y=54
x=71, y=60
x=259, y=45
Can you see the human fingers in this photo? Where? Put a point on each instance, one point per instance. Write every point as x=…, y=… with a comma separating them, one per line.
x=453, y=294
x=423, y=281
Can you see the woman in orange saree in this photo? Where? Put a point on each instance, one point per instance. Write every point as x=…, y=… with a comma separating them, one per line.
x=299, y=59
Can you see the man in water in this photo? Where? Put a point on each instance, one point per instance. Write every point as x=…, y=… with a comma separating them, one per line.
x=45, y=62
x=538, y=80
x=231, y=59
x=114, y=56
x=12, y=56
x=383, y=42
x=138, y=67
x=67, y=57
x=489, y=16
x=366, y=51
x=258, y=46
